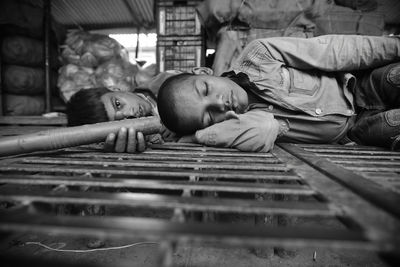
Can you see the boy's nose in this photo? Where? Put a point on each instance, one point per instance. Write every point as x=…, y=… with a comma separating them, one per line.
x=219, y=103
x=130, y=113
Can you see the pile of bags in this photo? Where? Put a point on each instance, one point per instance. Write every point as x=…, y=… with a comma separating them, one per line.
x=95, y=60
x=251, y=19
x=90, y=50
x=23, y=77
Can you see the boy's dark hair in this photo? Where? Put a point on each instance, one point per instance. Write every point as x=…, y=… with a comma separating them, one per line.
x=146, y=92
x=166, y=103
x=86, y=107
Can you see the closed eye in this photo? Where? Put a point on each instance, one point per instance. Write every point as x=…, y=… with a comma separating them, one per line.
x=210, y=120
x=206, y=90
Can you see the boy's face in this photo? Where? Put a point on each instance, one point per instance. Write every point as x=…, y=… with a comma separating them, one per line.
x=121, y=105
x=203, y=100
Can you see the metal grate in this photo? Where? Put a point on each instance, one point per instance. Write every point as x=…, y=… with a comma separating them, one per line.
x=191, y=189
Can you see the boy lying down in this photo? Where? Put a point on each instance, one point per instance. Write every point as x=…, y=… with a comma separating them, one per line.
x=327, y=89
x=102, y=104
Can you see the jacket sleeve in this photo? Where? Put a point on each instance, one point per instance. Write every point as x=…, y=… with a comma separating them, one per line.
x=328, y=52
x=254, y=131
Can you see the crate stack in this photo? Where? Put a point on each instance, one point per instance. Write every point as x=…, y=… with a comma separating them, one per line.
x=180, y=38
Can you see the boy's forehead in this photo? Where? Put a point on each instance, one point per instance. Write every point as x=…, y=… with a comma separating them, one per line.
x=186, y=87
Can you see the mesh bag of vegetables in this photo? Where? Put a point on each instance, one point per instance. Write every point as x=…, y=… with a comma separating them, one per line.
x=72, y=78
x=90, y=50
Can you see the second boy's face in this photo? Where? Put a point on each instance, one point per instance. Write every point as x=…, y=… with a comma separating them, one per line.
x=205, y=100
x=121, y=105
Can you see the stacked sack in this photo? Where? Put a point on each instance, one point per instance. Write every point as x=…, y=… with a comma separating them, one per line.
x=231, y=24
x=22, y=53
x=94, y=60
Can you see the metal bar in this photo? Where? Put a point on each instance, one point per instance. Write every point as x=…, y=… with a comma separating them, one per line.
x=137, y=43
x=157, y=164
x=371, y=191
x=35, y=120
x=342, y=147
x=226, y=234
x=353, y=152
x=189, y=152
x=73, y=136
x=1, y=81
x=379, y=225
x=238, y=187
x=365, y=162
x=194, y=147
x=47, y=55
x=373, y=168
x=171, y=202
x=222, y=174
x=155, y=157
x=352, y=156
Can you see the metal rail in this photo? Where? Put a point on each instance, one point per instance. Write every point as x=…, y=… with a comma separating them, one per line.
x=183, y=181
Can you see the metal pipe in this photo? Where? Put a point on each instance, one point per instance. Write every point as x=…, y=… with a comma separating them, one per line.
x=1, y=82
x=137, y=43
x=73, y=136
x=47, y=67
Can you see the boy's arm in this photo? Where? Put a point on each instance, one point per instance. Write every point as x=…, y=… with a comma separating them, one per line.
x=327, y=53
x=254, y=131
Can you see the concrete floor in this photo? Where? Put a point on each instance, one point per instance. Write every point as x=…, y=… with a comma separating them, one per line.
x=205, y=256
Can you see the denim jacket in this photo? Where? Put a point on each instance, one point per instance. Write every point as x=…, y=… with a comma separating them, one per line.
x=308, y=81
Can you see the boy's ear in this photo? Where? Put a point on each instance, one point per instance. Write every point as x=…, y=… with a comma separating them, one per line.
x=202, y=70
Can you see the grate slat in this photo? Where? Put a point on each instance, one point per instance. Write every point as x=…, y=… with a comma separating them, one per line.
x=171, y=202
x=159, y=184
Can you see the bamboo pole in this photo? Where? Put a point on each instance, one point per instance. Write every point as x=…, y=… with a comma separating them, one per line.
x=74, y=136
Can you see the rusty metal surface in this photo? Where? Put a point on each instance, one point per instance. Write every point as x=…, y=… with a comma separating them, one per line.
x=180, y=181
x=349, y=172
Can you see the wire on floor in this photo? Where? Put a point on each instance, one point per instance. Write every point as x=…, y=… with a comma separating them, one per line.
x=89, y=250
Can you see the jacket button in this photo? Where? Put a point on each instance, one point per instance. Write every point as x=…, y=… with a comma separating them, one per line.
x=270, y=107
x=318, y=111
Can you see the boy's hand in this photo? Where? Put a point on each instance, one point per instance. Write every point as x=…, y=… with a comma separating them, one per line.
x=126, y=140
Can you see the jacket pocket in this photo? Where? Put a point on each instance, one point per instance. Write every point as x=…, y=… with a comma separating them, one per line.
x=303, y=83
